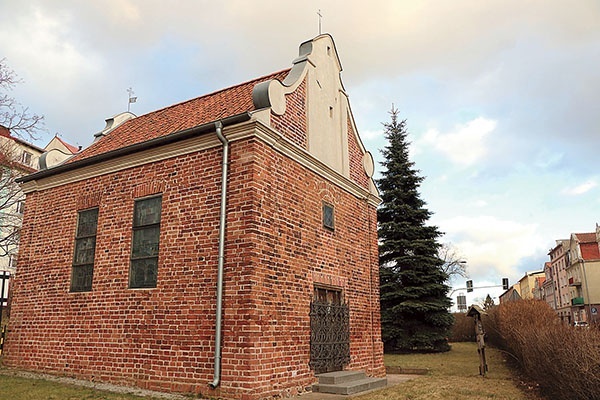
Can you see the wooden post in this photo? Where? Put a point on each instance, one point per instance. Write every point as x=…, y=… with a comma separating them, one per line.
x=4, y=277
x=475, y=312
x=2, y=335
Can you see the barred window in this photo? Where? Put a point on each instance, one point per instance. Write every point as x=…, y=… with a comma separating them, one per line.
x=328, y=216
x=143, y=270
x=328, y=295
x=85, y=248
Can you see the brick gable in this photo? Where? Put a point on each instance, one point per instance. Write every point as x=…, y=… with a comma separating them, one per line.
x=292, y=124
x=357, y=171
x=588, y=245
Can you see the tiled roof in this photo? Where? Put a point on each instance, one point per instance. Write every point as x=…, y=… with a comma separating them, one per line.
x=586, y=237
x=70, y=147
x=540, y=280
x=4, y=131
x=211, y=107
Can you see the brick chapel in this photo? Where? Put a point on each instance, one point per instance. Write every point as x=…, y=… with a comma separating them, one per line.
x=211, y=247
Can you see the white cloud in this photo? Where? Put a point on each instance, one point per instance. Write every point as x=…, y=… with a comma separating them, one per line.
x=580, y=189
x=480, y=203
x=45, y=46
x=489, y=242
x=465, y=144
x=123, y=11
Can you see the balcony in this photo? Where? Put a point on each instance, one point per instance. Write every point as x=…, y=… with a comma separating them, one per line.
x=574, y=282
x=577, y=301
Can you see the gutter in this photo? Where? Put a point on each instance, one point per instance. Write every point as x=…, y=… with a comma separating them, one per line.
x=134, y=148
x=222, y=220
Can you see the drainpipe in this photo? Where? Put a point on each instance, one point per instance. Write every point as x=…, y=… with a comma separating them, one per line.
x=588, y=313
x=224, y=166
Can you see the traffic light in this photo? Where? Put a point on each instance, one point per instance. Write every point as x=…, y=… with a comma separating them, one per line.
x=505, y=283
x=469, y=286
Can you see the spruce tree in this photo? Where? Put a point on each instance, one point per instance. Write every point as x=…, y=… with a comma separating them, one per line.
x=488, y=304
x=414, y=303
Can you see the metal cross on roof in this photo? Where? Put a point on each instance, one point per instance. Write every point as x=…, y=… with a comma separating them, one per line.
x=132, y=99
x=320, y=18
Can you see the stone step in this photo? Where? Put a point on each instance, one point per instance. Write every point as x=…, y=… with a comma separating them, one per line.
x=351, y=387
x=333, y=378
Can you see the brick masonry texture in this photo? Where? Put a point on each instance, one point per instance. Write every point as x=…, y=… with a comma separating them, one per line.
x=292, y=124
x=163, y=338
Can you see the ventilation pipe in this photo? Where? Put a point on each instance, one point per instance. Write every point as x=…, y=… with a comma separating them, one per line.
x=221, y=261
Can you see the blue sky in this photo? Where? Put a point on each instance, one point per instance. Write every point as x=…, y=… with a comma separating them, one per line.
x=501, y=97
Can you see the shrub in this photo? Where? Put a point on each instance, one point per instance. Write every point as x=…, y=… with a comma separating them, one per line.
x=563, y=360
x=463, y=329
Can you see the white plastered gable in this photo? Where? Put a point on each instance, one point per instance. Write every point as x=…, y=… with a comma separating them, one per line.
x=328, y=108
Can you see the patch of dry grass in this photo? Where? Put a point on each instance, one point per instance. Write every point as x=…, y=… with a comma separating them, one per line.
x=22, y=385
x=454, y=376
x=16, y=388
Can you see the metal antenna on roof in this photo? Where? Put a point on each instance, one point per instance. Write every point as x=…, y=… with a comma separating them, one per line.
x=132, y=99
x=320, y=18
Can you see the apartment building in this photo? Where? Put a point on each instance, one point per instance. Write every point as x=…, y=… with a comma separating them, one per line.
x=583, y=276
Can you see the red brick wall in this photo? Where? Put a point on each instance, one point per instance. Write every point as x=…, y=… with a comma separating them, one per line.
x=282, y=217
x=163, y=338
x=136, y=336
x=292, y=124
x=357, y=170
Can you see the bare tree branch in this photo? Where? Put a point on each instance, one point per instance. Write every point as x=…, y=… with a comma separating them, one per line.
x=13, y=115
x=454, y=263
x=10, y=196
x=17, y=124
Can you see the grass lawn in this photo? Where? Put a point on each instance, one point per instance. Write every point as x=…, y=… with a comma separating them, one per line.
x=15, y=388
x=454, y=376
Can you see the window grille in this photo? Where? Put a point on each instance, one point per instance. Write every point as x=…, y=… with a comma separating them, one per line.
x=143, y=270
x=85, y=248
x=328, y=216
x=329, y=331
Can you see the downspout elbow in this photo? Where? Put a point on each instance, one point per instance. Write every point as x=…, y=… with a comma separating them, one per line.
x=221, y=261
x=219, y=132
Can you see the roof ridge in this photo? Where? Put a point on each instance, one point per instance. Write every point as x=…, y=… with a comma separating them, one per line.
x=587, y=237
x=208, y=107
x=69, y=146
x=217, y=91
